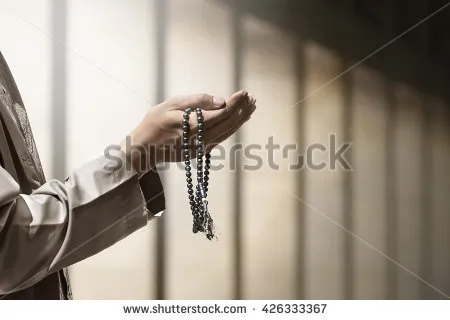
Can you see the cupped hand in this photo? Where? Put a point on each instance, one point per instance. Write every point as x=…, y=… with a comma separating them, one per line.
x=159, y=137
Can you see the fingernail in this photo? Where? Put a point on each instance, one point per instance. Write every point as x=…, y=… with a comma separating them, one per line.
x=245, y=93
x=218, y=102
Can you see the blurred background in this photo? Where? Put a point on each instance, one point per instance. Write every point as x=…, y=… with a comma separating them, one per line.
x=365, y=71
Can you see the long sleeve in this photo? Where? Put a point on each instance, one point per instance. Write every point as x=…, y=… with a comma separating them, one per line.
x=62, y=223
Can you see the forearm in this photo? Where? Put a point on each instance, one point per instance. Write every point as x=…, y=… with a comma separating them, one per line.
x=63, y=223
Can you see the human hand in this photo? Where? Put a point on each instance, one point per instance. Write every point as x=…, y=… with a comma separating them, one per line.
x=159, y=137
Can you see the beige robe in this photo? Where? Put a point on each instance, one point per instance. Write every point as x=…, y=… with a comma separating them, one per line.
x=48, y=226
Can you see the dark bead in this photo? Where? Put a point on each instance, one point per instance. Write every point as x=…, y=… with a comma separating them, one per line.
x=206, y=173
x=198, y=110
x=190, y=191
x=188, y=168
x=197, y=187
x=206, y=178
x=187, y=162
x=186, y=115
x=186, y=122
x=200, y=131
x=201, y=126
x=200, y=137
x=208, y=156
x=206, y=188
x=185, y=127
x=189, y=180
x=200, y=154
x=188, y=110
x=187, y=152
x=208, y=161
x=187, y=157
x=206, y=194
x=185, y=134
x=189, y=185
x=199, y=118
x=192, y=202
x=191, y=197
x=186, y=145
x=188, y=174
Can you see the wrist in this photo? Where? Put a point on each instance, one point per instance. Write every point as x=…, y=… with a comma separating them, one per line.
x=143, y=158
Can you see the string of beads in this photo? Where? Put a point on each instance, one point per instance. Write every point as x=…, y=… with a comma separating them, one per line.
x=202, y=221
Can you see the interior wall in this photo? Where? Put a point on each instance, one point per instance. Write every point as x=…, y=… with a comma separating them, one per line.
x=268, y=213
x=324, y=195
x=408, y=137
x=440, y=204
x=369, y=202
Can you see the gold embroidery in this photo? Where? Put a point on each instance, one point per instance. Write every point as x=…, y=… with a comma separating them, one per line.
x=30, y=158
x=24, y=123
x=29, y=140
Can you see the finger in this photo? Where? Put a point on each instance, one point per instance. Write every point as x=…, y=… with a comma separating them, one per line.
x=233, y=123
x=202, y=100
x=236, y=101
x=210, y=118
x=227, y=128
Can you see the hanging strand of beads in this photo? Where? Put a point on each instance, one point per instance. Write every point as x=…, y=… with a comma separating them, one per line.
x=202, y=221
